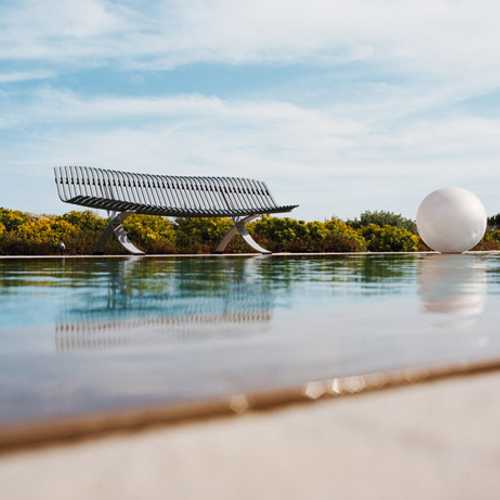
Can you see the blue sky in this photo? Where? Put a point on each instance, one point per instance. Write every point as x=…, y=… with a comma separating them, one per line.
x=340, y=106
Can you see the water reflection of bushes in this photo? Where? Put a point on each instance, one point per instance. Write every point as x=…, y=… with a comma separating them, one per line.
x=135, y=277
x=203, y=298
x=376, y=271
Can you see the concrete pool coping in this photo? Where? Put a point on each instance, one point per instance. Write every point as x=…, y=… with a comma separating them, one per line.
x=433, y=440
x=17, y=437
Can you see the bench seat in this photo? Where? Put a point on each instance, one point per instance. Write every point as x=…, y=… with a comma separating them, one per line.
x=125, y=193
x=121, y=206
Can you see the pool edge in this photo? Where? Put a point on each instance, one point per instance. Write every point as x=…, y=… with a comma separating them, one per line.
x=19, y=437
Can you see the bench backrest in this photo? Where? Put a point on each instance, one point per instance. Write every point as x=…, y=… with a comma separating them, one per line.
x=182, y=192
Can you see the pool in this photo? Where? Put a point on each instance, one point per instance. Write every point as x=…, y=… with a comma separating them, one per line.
x=90, y=335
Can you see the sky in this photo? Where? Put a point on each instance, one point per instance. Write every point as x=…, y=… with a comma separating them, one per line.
x=340, y=106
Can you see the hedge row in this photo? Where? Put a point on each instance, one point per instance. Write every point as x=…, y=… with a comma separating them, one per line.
x=25, y=234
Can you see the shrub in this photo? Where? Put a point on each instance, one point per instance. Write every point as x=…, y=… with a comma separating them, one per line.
x=281, y=234
x=153, y=233
x=342, y=238
x=290, y=235
x=383, y=218
x=22, y=233
x=200, y=234
x=11, y=219
x=389, y=239
x=491, y=240
x=39, y=235
x=494, y=221
x=86, y=220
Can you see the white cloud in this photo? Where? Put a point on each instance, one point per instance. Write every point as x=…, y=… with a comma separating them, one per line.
x=329, y=165
x=60, y=31
x=51, y=19
x=443, y=37
x=384, y=145
x=22, y=76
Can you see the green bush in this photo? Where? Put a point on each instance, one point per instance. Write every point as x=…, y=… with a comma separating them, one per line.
x=389, y=239
x=86, y=220
x=153, y=233
x=491, y=240
x=23, y=233
x=342, y=238
x=494, y=221
x=38, y=235
x=290, y=235
x=382, y=218
x=11, y=219
x=281, y=234
x=29, y=234
x=200, y=234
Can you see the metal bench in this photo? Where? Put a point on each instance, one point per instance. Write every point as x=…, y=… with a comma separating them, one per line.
x=124, y=193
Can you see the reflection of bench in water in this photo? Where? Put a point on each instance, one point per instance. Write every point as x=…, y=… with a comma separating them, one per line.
x=187, y=323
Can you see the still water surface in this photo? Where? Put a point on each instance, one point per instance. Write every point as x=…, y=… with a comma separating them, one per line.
x=80, y=335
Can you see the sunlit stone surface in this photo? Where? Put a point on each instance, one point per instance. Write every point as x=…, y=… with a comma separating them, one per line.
x=451, y=220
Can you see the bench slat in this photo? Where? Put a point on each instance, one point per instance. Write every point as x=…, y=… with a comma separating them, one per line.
x=164, y=195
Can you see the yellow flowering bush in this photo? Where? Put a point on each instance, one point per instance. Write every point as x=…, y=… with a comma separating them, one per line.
x=491, y=240
x=85, y=220
x=23, y=233
x=389, y=238
x=154, y=233
x=12, y=218
x=42, y=234
x=342, y=238
x=200, y=234
x=291, y=235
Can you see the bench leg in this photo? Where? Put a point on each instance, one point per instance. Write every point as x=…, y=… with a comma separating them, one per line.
x=115, y=227
x=239, y=227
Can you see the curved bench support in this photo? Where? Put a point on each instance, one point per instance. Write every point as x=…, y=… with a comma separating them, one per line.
x=239, y=227
x=115, y=227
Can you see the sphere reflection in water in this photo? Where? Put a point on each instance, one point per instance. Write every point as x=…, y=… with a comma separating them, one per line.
x=452, y=286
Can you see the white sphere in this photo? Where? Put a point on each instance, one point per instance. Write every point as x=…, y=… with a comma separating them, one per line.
x=451, y=220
